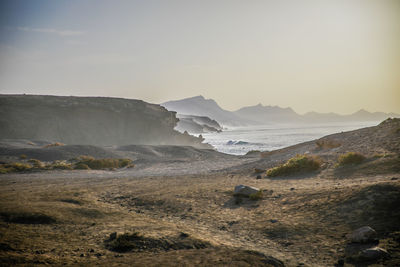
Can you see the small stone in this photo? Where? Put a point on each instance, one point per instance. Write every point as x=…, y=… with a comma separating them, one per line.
x=273, y=221
x=258, y=177
x=291, y=189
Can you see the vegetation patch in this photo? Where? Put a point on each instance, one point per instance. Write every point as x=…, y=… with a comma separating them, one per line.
x=37, y=164
x=327, y=144
x=99, y=164
x=136, y=242
x=296, y=165
x=60, y=165
x=350, y=158
x=14, y=167
x=83, y=163
x=26, y=218
x=54, y=144
x=81, y=166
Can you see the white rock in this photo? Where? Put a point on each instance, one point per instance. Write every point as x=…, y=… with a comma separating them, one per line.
x=245, y=190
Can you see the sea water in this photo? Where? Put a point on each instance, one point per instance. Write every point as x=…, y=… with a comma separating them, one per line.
x=240, y=140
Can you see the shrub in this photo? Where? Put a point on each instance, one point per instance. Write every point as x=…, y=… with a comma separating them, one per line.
x=37, y=164
x=298, y=164
x=15, y=167
x=98, y=164
x=327, y=144
x=60, y=165
x=23, y=156
x=256, y=196
x=81, y=166
x=350, y=158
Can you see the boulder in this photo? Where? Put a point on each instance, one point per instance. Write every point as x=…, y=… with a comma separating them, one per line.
x=373, y=254
x=363, y=235
x=245, y=190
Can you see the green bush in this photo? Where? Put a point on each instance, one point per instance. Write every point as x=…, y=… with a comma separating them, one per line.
x=298, y=164
x=350, y=158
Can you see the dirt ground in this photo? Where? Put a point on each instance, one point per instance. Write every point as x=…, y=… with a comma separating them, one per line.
x=301, y=221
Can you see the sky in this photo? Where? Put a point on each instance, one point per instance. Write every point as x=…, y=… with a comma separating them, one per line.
x=311, y=55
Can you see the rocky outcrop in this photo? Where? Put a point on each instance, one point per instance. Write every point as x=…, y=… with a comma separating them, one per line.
x=197, y=124
x=89, y=121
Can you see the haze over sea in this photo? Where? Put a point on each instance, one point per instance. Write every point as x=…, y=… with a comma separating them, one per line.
x=240, y=140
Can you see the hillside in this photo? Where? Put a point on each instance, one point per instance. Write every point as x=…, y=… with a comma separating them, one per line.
x=89, y=121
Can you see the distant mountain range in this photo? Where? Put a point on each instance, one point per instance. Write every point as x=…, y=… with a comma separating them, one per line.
x=200, y=106
x=259, y=114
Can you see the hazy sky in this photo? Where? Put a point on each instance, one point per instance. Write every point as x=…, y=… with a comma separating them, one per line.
x=338, y=55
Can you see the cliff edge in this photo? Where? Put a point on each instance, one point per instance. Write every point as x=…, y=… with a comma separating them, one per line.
x=90, y=121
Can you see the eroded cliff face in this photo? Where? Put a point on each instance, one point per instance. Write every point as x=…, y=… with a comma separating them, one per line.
x=89, y=120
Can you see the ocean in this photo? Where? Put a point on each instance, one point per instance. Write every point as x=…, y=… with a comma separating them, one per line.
x=240, y=140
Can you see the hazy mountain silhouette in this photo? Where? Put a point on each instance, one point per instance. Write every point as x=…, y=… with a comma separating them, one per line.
x=200, y=106
x=265, y=114
x=260, y=114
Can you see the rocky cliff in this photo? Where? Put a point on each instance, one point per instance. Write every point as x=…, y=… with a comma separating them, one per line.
x=89, y=120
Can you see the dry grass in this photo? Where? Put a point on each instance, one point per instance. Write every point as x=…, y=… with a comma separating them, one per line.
x=99, y=164
x=14, y=167
x=83, y=163
x=297, y=165
x=350, y=158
